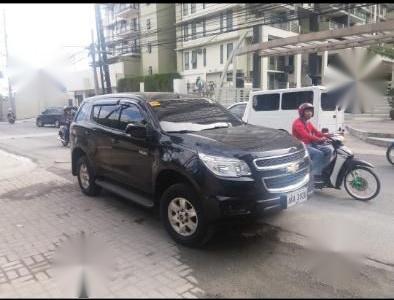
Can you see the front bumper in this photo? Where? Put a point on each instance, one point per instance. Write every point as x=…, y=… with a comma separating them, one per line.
x=243, y=197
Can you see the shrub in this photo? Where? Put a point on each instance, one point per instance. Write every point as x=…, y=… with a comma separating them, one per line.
x=152, y=83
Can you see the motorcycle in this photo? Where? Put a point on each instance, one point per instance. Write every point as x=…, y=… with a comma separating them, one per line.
x=390, y=153
x=11, y=118
x=359, y=179
x=64, y=136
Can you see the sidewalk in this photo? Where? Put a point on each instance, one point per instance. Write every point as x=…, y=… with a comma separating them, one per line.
x=379, y=132
x=14, y=165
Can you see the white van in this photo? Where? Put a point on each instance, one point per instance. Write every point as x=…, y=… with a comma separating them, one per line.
x=279, y=108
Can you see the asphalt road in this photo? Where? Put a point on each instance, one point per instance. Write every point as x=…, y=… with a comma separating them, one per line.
x=329, y=246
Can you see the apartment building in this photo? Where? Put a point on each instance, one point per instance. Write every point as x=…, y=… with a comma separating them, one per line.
x=208, y=32
x=157, y=38
x=121, y=31
x=140, y=38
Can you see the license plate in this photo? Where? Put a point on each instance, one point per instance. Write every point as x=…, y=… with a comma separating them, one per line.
x=296, y=197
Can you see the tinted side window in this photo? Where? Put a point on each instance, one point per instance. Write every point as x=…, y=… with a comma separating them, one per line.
x=295, y=99
x=96, y=111
x=130, y=114
x=84, y=113
x=267, y=102
x=109, y=116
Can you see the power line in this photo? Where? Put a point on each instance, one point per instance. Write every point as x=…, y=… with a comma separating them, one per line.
x=214, y=32
x=237, y=14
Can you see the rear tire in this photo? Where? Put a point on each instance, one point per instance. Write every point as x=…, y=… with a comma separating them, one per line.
x=86, y=178
x=350, y=189
x=183, y=217
x=390, y=154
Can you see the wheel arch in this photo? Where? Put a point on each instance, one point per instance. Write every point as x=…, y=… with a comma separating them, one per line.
x=76, y=154
x=168, y=177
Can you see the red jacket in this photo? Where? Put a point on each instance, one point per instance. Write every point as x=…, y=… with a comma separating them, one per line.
x=306, y=132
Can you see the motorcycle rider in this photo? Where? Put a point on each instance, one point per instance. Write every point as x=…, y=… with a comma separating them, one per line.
x=314, y=141
x=10, y=114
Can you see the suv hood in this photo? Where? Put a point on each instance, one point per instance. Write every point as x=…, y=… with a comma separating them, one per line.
x=240, y=140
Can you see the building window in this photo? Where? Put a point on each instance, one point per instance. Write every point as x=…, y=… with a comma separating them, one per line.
x=194, y=30
x=149, y=48
x=221, y=22
x=229, y=49
x=221, y=54
x=150, y=72
x=194, y=59
x=192, y=8
x=204, y=57
x=204, y=28
x=185, y=32
x=203, y=6
x=186, y=60
x=148, y=24
x=185, y=9
x=229, y=20
x=135, y=24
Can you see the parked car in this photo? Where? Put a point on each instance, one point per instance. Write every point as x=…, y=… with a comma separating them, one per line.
x=187, y=155
x=238, y=109
x=53, y=116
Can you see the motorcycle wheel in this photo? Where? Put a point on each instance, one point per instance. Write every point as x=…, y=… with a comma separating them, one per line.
x=390, y=154
x=358, y=180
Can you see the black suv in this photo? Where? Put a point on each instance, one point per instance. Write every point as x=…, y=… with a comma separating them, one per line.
x=52, y=115
x=188, y=155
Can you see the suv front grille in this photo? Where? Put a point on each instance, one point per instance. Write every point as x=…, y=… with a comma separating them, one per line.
x=285, y=180
x=278, y=161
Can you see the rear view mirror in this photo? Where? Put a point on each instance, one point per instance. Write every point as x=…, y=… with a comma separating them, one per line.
x=137, y=131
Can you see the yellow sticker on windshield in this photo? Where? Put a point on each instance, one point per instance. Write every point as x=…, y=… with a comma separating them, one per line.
x=154, y=103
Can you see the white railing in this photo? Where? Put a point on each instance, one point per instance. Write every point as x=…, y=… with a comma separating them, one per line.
x=228, y=96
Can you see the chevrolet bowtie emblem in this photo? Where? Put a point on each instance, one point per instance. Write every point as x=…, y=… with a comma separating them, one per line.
x=292, y=168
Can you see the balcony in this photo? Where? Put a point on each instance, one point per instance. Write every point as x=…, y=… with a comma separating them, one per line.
x=292, y=26
x=127, y=30
x=125, y=10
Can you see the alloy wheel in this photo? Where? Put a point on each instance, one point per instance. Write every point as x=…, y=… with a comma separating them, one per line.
x=182, y=216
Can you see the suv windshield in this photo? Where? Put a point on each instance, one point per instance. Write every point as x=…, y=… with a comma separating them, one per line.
x=182, y=115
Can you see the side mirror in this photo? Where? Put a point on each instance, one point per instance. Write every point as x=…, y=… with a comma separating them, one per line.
x=137, y=131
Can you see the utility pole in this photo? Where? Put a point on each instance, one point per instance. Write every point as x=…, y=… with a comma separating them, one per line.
x=101, y=42
x=93, y=54
x=10, y=98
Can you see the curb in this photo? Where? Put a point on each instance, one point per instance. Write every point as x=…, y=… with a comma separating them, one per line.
x=378, y=139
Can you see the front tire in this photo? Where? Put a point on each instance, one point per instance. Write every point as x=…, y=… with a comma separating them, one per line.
x=39, y=123
x=183, y=217
x=86, y=178
x=390, y=154
x=358, y=180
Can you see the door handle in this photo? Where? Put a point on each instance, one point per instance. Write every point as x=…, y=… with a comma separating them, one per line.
x=334, y=116
x=87, y=132
x=115, y=141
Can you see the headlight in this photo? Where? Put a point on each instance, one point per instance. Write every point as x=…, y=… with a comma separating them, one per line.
x=227, y=167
